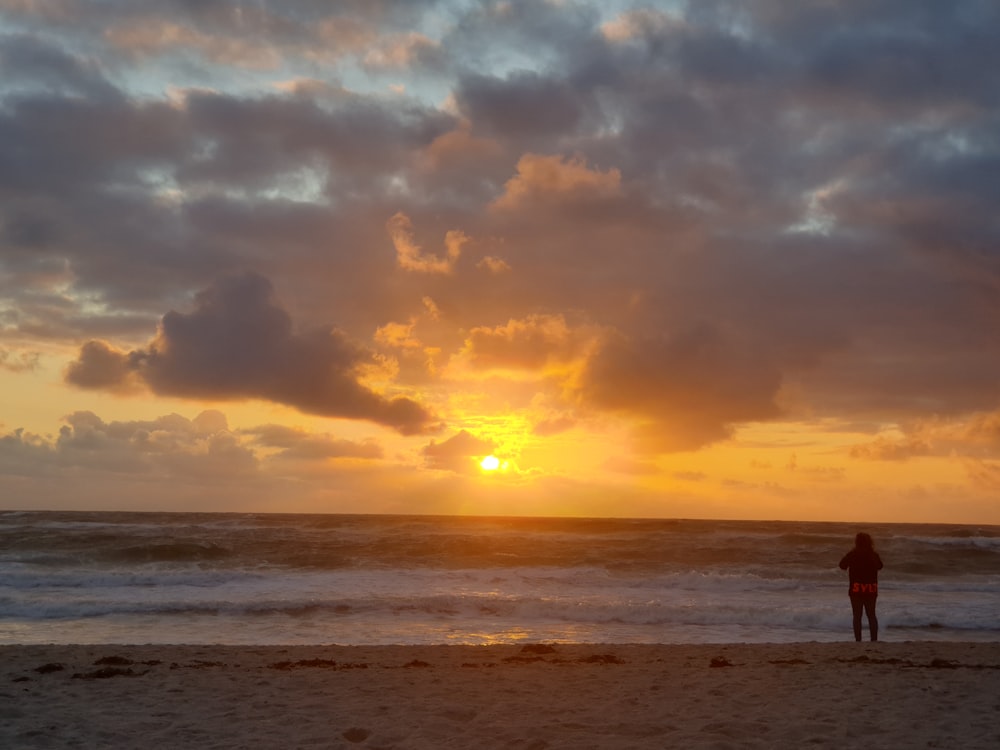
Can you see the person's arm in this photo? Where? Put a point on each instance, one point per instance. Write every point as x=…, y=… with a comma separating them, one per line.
x=878, y=561
x=845, y=561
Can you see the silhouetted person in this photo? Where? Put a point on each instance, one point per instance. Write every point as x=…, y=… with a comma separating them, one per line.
x=862, y=565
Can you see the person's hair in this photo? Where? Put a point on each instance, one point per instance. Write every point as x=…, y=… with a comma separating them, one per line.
x=863, y=541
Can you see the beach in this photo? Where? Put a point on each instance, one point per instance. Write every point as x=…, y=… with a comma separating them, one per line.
x=488, y=633
x=533, y=695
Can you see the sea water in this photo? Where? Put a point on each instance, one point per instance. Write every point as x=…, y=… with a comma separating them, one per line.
x=316, y=579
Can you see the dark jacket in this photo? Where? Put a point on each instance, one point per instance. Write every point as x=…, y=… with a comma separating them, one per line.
x=862, y=567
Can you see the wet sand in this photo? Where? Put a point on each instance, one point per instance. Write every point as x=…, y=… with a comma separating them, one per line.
x=534, y=696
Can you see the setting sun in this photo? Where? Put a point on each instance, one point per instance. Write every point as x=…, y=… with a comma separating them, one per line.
x=490, y=463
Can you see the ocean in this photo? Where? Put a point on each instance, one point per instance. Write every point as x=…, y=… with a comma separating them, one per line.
x=135, y=578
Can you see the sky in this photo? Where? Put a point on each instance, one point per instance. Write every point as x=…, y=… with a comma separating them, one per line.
x=709, y=259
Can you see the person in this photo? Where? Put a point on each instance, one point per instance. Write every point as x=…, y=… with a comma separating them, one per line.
x=862, y=565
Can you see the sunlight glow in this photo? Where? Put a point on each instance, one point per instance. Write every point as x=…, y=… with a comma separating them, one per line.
x=490, y=463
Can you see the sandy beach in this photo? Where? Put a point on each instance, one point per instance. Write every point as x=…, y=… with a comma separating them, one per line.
x=884, y=695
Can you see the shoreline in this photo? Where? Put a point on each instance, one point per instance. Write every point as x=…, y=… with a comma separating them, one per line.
x=890, y=694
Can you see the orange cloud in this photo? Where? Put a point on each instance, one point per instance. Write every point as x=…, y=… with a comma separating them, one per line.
x=985, y=474
x=888, y=449
x=983, y=429
x=493, y=264
x=410, y=256
x=553, y=425
x=527, y=344
x=397, y=336
x=975, y=435
x=557, y=178
x=433, y=311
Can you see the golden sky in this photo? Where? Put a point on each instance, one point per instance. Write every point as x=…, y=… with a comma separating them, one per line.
x=561, y=257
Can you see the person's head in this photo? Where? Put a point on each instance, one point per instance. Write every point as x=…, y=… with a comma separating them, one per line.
x=863, y=541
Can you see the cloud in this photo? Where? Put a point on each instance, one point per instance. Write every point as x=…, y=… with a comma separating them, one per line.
x=397, y=336
x=888, y=449
x=459, y=453
x=826, y=474
x=527, y=344
x=297, y=444
x=690, y=476
x=494, y=265
x=681, y=391
x=985, y=474
x=640, y=24
x=171, y=445
x=554, y=425
x=403, y=50
x=974, y=436
x=555, y=178
x=982, y=429
x=102, y=366
x=144, y=37
x=458, y=148
x=172, y=461
x=631, y=467
x=525, y=104
x=51, y=69
x=686, y=391
x=250, y=37
x=19, y=361
x=410, y=256
x=239, y=344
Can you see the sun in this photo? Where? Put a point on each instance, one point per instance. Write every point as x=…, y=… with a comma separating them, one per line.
x=490, y=463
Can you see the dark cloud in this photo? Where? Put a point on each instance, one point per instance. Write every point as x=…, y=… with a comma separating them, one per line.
x=168, y=446
x=173, y=461
x=239, y=344
x=523, y=105
x=159, y=195
x=690, y=389
x=359, y=139
x=46, y=67
x=101, y=366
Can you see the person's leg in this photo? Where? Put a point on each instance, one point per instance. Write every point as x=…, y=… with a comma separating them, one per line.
x=856, y=606
x=872, y=619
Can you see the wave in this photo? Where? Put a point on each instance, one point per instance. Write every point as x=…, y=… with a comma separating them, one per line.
x=167, y=552
x=333, y=542
x=486, y=598
x=305, y=576
x=501, y=613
